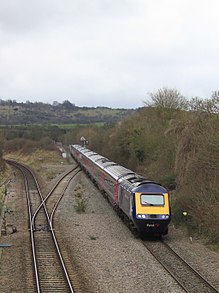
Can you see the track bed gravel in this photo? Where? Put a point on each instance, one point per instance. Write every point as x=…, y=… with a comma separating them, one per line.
x=108, y=258
x=112, y=259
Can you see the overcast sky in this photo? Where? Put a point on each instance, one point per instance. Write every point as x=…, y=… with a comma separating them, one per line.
x=107, y=52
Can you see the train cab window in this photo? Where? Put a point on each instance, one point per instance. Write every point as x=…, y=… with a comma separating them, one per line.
x=152, y=199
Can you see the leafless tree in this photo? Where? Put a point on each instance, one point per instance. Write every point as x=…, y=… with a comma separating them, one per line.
x=166, y=98
x=210, y=106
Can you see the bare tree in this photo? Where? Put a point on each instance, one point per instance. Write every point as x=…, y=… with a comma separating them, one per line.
x=166, y=98
x=210, y=106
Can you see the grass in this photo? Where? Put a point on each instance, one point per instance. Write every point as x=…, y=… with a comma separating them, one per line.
x=74, y=125
x=43, y=161
x=65, y=126
x=81, y=205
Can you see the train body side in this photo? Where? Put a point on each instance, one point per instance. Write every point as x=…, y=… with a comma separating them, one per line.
x=142, y=202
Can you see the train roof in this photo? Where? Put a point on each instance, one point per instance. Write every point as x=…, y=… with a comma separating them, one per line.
x=99, y=160
x=143, y=185
x=118, y=172
x=128, y=179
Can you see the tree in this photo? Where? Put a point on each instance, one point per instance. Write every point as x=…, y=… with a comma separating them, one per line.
x=68, y=105
x=210, y=106
x=167, y=99
x=55, y=103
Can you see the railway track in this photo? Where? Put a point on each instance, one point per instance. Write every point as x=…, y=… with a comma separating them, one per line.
x=50, y=270
x=51, y=274
x=187, y=277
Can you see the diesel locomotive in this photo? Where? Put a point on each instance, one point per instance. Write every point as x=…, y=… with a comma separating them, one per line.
x=142, y=203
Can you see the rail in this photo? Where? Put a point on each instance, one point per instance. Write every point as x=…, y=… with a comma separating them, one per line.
x=183, y=273
x=39, y=241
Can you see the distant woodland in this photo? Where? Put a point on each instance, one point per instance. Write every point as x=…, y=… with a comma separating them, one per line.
x=14, y=113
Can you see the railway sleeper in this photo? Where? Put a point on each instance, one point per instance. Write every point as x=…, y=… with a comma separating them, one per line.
x=42, y=227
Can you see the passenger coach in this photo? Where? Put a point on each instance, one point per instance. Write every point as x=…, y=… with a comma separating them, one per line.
x=143, y=204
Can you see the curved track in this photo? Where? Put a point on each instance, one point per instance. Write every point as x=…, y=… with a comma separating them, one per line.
x=50, y=271
x=183, y=273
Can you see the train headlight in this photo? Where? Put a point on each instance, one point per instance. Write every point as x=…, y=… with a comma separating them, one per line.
x=165, y=216
x=139, y=216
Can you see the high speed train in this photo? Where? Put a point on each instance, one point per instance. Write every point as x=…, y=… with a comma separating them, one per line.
x=142, y=203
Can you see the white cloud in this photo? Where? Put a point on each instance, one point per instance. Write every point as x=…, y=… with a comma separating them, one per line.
x=106, y=52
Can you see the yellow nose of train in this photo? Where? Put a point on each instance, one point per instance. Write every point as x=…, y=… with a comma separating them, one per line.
x=152, y=212
x=152, y=204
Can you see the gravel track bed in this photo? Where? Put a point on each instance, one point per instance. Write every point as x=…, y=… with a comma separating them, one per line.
x=178, y=268
x=107, y=253
x=200, y=257
x=107, y=257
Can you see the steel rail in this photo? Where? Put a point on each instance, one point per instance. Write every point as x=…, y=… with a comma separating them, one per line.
x=190, y=267
x=211, y=287
x=33, y=249
x=167, y=269
x=43, y=202
x=53, y=232
x=49, y=219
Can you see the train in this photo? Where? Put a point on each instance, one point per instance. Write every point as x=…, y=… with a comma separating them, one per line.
x=143, y=204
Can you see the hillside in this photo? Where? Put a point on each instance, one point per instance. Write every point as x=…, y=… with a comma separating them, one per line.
x=12, y=113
